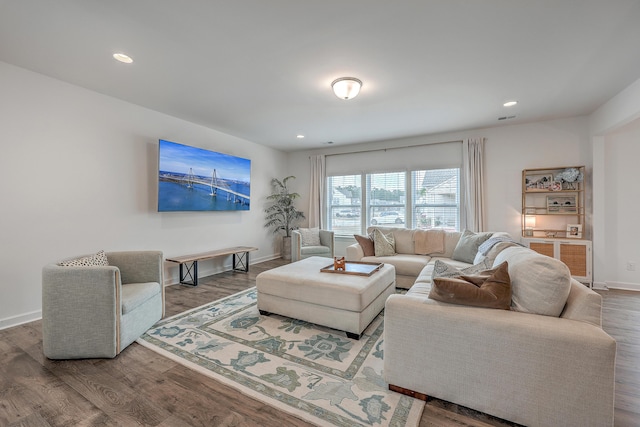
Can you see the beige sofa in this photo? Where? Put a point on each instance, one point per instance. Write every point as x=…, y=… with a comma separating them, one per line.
x=408, y=264
x=545, y=362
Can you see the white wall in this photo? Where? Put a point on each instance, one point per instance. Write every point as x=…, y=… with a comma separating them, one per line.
x=509, y=150
x=79, y=174
x=621, y=209
x=615, y=128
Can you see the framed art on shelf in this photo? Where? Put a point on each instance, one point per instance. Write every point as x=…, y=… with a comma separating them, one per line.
x=562, y=204
x=574, y=231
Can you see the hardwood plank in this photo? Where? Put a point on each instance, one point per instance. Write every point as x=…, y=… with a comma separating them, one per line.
x=140, y=387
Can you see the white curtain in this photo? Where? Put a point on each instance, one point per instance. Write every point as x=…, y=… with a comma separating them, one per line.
x=472, y=212
x=316, y=191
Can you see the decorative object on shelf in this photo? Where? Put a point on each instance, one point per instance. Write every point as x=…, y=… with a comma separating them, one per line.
x=569, y=177
x=529, y=225
x=555, y=186
x=574, y=231
x=282, y=215
x=338, y=263
x=538, y=182
x=550, y=234
x=562, y=204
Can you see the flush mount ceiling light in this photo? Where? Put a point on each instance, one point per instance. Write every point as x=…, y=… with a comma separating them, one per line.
x=122, y=58
x=346, y=87
x=510, y=103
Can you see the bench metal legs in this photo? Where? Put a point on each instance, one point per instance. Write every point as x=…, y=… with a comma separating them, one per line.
x=190, y=270
x=241, y=262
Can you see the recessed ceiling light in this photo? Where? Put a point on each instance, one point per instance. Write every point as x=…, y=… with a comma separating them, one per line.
x=510, y=103
x=122, y=58
x=299, y=136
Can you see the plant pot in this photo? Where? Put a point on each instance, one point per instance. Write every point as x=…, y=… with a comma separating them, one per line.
x=286, y=248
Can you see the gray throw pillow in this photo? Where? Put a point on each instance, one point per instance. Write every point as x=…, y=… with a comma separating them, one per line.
x=468, y=245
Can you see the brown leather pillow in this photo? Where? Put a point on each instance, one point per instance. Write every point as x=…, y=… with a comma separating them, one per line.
x=489, y=289
x=366, y=243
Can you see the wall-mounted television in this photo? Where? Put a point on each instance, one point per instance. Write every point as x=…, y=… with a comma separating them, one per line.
x=195, y=179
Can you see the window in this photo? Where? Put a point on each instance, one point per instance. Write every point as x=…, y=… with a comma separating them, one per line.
x=344, y=194
x=416, y=199
x=436, y=199
x=386, y=199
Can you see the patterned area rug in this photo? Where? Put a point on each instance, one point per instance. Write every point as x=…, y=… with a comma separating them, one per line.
x=312, y=372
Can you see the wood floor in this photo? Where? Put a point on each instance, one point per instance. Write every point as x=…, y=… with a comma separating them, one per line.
x=139, y=387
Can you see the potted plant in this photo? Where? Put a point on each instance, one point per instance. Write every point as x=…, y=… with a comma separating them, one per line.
x=282, y=215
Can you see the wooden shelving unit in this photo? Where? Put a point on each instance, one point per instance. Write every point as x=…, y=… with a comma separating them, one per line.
x=552, y=200
x=553, y=217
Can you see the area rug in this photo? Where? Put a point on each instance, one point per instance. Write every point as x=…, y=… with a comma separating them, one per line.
x=313, y=372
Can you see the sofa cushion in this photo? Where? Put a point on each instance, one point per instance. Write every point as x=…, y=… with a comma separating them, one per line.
x=488, y=288
x=404, y=240
x=406, y=265
x=97, y=260
x=539, y=284
x=315, y=250
x=310, y=236
x=443, y=269
x=366, y=243
x=383, y=244
x=467, y=246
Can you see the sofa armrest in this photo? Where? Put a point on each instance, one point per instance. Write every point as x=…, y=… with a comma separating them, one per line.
x=296, y=245
x=354, y=252
x=551, y=371
x=81, y=308
x=327, y=239
x=583, y=304
x=138, y=266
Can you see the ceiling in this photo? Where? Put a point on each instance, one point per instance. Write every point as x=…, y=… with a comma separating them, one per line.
x=261, y=70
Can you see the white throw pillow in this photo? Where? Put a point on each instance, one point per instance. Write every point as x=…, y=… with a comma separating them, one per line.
x=383, y=244
x=310, y=236
x=539, y=284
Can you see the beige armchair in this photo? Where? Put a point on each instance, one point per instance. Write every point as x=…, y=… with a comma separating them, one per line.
x=300, y=251
x=97, y=311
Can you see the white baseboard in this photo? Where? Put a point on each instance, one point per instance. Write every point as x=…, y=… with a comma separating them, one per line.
x=10, y=322
x=623, y=285
x=601, y=286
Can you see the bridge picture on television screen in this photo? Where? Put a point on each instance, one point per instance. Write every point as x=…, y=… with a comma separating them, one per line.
x=194, y=179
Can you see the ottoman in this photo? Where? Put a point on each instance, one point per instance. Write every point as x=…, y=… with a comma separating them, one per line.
x=340, y=301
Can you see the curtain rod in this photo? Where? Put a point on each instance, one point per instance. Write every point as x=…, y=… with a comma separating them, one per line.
x=393, y=148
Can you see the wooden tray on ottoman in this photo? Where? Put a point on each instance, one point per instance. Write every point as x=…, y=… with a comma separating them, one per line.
x=358, y=268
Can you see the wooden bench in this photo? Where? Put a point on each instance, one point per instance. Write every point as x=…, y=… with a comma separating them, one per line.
x=240, y=262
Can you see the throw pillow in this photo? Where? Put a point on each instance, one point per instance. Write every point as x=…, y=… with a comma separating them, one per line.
x=442, y=269
x=540, y=284
x=366, y=243
x=97, y=260
x=468, y=245
x=488, y=289
x=310, y=236
x=383, y=244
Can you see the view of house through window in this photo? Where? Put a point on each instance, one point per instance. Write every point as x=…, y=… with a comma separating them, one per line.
x=416, y=199
x=344, y=194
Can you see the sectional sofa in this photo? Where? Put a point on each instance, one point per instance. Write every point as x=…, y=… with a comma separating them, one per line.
x=544, y=362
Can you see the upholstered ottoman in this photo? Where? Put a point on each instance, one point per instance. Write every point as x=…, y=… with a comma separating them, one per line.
x=340, y=301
